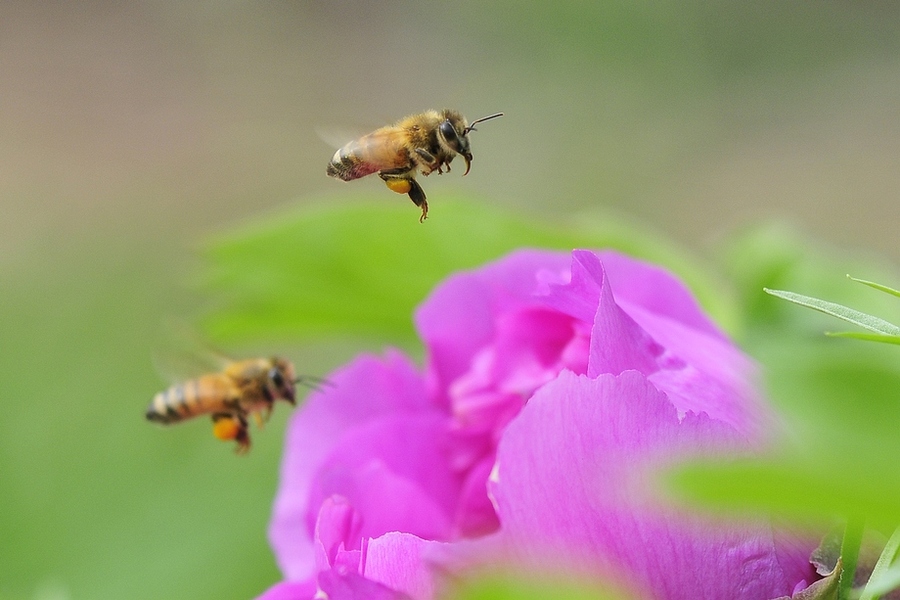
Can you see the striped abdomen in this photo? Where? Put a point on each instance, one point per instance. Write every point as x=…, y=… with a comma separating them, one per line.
x=381, y=150
x=208, y=394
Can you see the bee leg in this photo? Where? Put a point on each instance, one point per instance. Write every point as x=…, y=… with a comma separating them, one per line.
x=243, y=436
x=417, y=195
x=402, y=183
x=243, y=442
x=260, y=419
x=229, y=426
x=431, y=163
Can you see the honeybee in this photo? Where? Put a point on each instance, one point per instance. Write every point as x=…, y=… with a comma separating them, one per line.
x=242, y=388
x=425, y=142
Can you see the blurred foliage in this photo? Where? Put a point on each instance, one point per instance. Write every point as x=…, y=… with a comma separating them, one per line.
x=777, y=255
x=529, y=586
x=839, y=398
x=361, y=268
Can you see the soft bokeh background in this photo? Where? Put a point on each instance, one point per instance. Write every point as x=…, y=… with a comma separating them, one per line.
x=130, y=132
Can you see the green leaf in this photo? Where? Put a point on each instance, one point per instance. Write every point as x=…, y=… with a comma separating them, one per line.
x=800, y=490
x=837, y=310
x=877, y=286
x=885, y=576
x=532, y=586
x=841, y=409
x=885, y=582
x=361, y=268
x=852, y=542
x=869, y=337
x=777, y=256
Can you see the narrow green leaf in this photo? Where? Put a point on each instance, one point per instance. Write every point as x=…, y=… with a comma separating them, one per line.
x=850, y=315
x=877, y=286
x=777, y=256
x=869, y=337
x=885, y=576
x=881, y=583
x=853, y=534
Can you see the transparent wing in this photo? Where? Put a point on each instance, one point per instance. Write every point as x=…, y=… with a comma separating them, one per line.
x=182, y=353
x=338, y=137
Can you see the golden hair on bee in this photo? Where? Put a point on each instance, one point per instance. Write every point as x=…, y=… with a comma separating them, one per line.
x=425, y=142
x=242, y=388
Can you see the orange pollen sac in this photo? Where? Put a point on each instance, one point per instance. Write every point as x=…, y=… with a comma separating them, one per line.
x=401, y=186
x=226, y=429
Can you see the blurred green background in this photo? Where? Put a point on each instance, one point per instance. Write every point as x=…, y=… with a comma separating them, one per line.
x=129, y=133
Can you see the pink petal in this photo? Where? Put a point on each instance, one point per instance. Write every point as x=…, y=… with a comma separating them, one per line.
x=637, y=283
x=390, y=386
x=401, y=561
x=475, y=514
x=337, y=529
x=340, y=584
x=393, y=472
x=576, y=490
x=702, y=372
x=349, y=585
x=575, y=292
x=290, y=590
x=458, y=317
x=617, y=342
x=681, y=352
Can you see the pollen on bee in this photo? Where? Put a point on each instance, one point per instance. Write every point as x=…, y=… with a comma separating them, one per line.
x=226, y=429
x=401, y=186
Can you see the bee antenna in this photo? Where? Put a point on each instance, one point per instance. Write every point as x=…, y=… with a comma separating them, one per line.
x=314, y=383
x=471, y=126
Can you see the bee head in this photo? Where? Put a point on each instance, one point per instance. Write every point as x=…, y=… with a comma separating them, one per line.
x=281, y=380
x=453, y=134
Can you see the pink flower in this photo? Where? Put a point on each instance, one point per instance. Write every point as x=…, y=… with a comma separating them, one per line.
x=555, y=387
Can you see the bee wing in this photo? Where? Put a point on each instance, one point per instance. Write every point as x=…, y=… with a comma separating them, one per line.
x=184, y=354
x=337, y=137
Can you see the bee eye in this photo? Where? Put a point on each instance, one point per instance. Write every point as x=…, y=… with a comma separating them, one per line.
x=449, y=135
x=277, y=378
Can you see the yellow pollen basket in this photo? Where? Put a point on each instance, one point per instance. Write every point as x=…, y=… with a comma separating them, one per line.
x=401, y=186
x=226, y=429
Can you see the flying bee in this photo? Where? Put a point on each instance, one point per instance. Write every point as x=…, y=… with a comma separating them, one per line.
x=242, y=388
x=425, y=142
